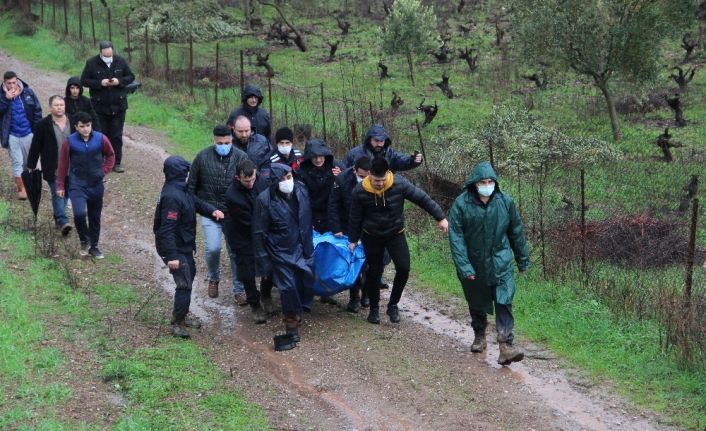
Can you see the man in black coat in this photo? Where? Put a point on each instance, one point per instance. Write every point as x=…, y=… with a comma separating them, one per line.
x=339, y=207
x=377, y=219
x=284, y=244
x=107, y=76
x=175, y=237
x=49, y=135
x=240, y=200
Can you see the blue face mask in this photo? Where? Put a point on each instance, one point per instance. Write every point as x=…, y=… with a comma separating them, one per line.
x=486, y=190
x=223, y=149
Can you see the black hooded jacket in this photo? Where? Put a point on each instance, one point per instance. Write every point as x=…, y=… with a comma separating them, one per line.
x=175, y=215
x=241, y=207
x=318, y=181
x=81, y=104
x=259, y=117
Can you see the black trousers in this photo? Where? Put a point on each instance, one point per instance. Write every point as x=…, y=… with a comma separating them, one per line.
x=112, y=127
x=184, y=279
x=396, y=246
x=504, y=321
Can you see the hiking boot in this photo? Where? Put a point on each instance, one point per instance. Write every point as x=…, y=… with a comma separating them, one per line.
x=66, y=229
x=83, y=251
x=374, y=315
x=291, y=323
x=267, y=305
x=96, y=253
x=509, y=354
x=241, y=299
x=364, y=303
x=213, y=289
x=353, y=306
x=179, y=330
x=258, y=315
x=119, y=169
x=294, y=332
x=21, y=192
x=479, y=343
x=189, y=321
x=394, y=312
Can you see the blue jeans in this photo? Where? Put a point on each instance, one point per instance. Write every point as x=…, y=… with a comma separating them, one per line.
x=59, y=205
x=212, y=237
x=87, y=204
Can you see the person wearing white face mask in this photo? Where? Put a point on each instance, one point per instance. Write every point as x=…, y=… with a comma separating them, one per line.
x=107, y=76
x=284, y=152
x=283, y=240
x=485, y=231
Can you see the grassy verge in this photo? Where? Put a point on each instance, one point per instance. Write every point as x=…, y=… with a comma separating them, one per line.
x=45, y=322
x=581, y=329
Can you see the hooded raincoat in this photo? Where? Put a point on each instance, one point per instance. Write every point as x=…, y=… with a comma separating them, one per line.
x=396, y=160
x=80, y=104
x=318, y=181
x=259, y=118
x=483, y=239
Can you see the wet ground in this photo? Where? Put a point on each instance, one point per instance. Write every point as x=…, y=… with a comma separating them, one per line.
x=346, y=374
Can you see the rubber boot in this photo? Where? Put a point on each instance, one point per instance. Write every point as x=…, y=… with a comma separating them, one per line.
x=258, y=314
x=479, y=343
x=188, y=321
x=374, y=315
x=509, y=354
x=268, y=305
x=21, y=192
x=291, y=324
x=354, y=301
x=179, y=330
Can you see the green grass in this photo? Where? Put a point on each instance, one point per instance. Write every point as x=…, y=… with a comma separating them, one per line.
x=172, y=385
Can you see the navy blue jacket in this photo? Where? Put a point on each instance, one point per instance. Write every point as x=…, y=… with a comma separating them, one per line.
x=257, y=149
x=175, y=215
x=339, y=202
x=84, y=163
x=282, y=238
x=30, y=104
x=396, y=160
x=259, y=117
x=318, y=181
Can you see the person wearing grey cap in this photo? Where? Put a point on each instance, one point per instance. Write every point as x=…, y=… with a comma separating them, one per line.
x=212, y=172
x=107, y=76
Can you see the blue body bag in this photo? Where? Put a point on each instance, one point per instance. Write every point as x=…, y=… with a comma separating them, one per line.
x=335, y=267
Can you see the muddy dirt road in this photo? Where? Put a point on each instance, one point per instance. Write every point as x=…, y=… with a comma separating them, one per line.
x=347, y=374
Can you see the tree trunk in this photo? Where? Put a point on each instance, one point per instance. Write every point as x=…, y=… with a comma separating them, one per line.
x=246, y=5
x=602, y=84
x=411, y=67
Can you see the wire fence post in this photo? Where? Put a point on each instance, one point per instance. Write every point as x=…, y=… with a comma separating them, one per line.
x=66, y=18
x=242, y=72
x=53, y=14
x=490, y=154
x=354, y=132
x=218, y=64
x=323, y=110
x=93, y=22
x=541, y=220
x=110, y=26
x=584, y=268
x=41, y=13
x=147, y=52
x=269, y=96
x=166, y=56
x=191, y=65
x=286, y=115
x=80, y=20
x=690, y=253
x=127, y=37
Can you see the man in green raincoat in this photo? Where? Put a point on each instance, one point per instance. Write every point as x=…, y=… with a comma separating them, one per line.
x=485, y=230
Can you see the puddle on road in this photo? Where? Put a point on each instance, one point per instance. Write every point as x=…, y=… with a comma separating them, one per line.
x=552, y=386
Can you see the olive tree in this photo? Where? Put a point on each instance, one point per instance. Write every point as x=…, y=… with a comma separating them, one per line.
x=600, y=39
x=409, y=30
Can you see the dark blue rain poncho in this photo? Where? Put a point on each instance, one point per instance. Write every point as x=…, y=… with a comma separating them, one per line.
x=282, y=234
x=259, y=117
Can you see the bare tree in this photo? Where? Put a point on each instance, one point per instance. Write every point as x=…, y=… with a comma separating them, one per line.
x=333, y=47
x=429, y=111
x=262, y=61
x=664, y=141
x=383, y=70
x=689, y=44
x=298, y=38
x=683, y=78
x=676, y=106
x=444, y=86
x=539, y=78
x=471, y=60
x=344, y=25
x=396, y=102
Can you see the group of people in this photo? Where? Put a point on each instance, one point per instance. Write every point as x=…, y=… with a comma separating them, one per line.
x=265, y=197
x=74, y=154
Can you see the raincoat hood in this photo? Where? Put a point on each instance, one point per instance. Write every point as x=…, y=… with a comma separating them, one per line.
x=481, y=171
x=317, y=147
x=251, y=90
x=279, y=170
x=176, y=169
x=74, y=80
x=377, y=131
